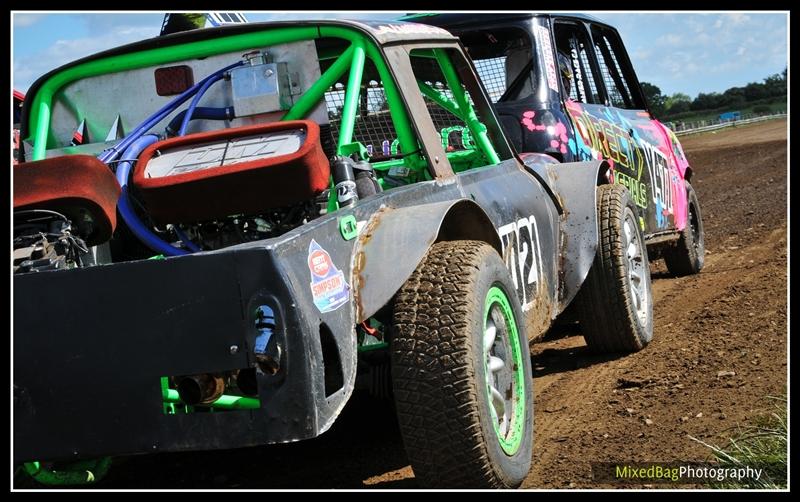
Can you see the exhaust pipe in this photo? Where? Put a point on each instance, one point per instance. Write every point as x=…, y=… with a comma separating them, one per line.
x=200, y=389
x=247, y=382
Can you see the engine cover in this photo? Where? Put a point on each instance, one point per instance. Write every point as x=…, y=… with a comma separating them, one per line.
x=78, y=186
x=243, y=170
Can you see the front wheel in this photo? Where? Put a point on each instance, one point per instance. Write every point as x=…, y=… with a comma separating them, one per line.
x=688, y=254
x=616, y=301
x=461, y=370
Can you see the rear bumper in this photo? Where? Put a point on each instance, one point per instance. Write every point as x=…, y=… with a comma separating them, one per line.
x=90, y=347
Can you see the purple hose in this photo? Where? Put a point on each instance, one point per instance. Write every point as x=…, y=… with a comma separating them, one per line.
x=200, y=113
x=193, y=104
x=134, y=143
x=114, y=152
x=136, y=225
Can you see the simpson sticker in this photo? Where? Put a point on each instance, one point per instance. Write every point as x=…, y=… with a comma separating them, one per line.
x=543, y=35
x=328, y=287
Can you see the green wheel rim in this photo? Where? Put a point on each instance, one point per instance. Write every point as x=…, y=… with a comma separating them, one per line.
x=503, y=368
x=81, y=472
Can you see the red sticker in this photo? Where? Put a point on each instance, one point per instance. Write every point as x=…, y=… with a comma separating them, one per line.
x=319, y=262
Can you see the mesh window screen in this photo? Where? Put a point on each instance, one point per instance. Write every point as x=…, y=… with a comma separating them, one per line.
x=503, y=58
x=373, y=125
x=570, y=42
x=588, y=75
x=617, y=89
x=576, y=90
x=454, y=132
x=613, y=93
x=492, y=73
x=618, y=69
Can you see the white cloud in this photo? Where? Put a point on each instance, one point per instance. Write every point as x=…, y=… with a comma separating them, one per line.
x=100, y=24
x=738, y=18
x=25, y=20
x=641, y=54
x=670, y=39
x=705, y=52
x=697, y=25
x=65, y=51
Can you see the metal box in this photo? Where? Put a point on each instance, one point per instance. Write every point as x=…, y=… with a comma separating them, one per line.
x=260, y=89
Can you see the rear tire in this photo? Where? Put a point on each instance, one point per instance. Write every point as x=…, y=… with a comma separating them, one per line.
x=688, y=254
x=461, y=370
x=615, y=301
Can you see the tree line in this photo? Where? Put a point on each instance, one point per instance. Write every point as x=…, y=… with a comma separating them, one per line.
x=665, y=106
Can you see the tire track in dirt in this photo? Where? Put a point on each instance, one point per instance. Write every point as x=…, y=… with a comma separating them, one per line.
x=729, y=318
x=598, y=413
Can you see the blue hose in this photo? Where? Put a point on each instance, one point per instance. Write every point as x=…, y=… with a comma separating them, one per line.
x=193, y=104
x=200, y=113
x=135, y=142
x=194, y=248
x=136, y=225
x=112, y=153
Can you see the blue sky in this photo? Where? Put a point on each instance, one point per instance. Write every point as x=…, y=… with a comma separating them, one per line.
x=679, y=52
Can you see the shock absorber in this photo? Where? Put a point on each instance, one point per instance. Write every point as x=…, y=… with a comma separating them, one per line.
x=344, y=180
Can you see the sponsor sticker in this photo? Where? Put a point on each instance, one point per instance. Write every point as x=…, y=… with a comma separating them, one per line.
x=328, y=287
x=409, y=29
x=543, y=36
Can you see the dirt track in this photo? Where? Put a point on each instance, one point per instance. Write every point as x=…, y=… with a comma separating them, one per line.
x=731, y=317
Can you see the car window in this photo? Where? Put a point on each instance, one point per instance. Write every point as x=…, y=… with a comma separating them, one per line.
x=609, y=50
x=452, y=109
x=572, y=44
x=494, y=76
x=503, y=59
x=373, y=126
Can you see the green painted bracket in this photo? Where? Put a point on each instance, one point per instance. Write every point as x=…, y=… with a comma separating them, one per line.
x=348, y=227
x=354, y=148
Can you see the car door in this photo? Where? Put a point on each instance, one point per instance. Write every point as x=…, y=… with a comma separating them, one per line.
x=626, y=102
x=611, y=121
x=445, y=98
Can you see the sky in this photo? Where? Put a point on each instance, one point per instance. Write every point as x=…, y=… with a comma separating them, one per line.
x=679, y=52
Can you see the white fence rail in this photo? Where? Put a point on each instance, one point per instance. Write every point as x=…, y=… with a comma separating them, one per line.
x=682, y=129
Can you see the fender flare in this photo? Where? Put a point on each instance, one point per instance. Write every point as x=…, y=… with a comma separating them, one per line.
x=575, y=185
x=688, y=173
x=395, y=240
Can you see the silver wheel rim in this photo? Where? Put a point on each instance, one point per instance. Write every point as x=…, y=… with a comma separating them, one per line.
x=636, y=263
x=499, y=372
x=695, y=228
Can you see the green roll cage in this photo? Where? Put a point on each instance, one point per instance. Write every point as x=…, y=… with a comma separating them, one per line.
x=353, y=58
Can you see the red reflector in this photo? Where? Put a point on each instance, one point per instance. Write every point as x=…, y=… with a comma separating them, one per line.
x=173, y=80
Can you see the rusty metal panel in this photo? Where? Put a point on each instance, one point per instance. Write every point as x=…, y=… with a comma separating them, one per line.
x=575, y=186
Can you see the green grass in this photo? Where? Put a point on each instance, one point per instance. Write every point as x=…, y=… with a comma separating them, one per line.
x=774, y=104
x=760, y=446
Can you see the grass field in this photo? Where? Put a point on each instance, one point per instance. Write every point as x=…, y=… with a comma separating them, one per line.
x=775, y=105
